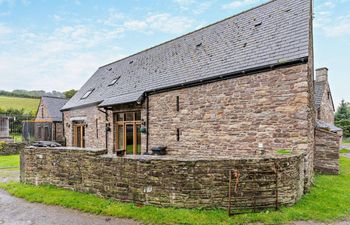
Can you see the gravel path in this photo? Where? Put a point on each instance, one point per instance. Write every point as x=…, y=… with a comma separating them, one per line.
x=15, y=211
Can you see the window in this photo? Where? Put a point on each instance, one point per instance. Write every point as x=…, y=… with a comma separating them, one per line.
x=87, y=94
x=97, y=128
x=177, y=134
x=177, y=103
x=114, y=81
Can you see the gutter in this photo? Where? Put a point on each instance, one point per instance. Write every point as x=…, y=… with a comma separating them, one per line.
x=227, y=76
x=106, y=130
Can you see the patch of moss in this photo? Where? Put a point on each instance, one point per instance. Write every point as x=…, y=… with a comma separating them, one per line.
x=283, y=152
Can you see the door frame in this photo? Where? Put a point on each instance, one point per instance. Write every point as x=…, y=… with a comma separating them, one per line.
x=124, y=124
x=82, y=135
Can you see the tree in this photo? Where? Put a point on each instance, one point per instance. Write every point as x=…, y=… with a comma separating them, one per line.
x=69, y=94
x=343, y=112
x=342, y=118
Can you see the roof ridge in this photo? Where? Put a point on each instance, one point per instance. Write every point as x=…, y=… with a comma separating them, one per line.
x=184, y=35
x=54, y=97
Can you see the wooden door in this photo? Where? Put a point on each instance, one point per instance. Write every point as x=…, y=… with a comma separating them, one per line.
x=79, y=135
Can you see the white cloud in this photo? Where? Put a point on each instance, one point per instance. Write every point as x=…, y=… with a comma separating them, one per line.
x=339, y=28
x=4, y=30
x=162, y=22
x=59, y=60
x=239, y=3
x=184, y=4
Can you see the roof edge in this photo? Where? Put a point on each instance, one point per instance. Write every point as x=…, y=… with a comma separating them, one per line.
x=241, y=73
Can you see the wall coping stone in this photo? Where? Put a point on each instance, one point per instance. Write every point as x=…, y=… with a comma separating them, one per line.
x=328, y=131
x=94, y=151
x=203, y=158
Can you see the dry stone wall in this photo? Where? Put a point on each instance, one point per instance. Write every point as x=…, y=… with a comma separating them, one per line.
x=11, y=148
x=169, y=180
x=327, y=152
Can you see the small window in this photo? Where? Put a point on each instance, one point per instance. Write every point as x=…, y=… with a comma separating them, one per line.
x=114, y=81
x=87, y=94
x=177, y=134
x=177, y=103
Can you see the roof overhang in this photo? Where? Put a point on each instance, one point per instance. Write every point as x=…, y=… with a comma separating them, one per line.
x=123, y=99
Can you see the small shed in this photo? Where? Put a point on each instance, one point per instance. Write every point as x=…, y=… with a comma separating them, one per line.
x=4, y=127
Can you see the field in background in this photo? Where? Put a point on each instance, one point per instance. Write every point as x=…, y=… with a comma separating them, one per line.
x=29, y=105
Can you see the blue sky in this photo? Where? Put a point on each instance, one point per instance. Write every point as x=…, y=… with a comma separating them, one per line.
x=58, y=45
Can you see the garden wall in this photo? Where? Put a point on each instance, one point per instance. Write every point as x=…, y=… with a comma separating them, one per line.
x=11, y=148
x=327, y=151
x=168, y=180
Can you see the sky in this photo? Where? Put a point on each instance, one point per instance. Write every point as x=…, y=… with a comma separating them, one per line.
x=58, y=44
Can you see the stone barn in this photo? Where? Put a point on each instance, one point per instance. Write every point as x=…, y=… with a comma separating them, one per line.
x=328, y=137
x=224, y=100
x=47, y=125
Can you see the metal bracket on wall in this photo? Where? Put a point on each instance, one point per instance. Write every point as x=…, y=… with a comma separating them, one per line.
x=235, y=176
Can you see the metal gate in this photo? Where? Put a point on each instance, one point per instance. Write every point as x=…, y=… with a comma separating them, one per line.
x=245, y=198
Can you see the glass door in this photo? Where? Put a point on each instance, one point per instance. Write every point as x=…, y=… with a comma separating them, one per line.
x=127, y=132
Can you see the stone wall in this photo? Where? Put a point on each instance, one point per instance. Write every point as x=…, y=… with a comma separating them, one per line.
x=327, y=152
x=11, y=148
x=273, y=110
x=168, y=180
x=326, y=110
x=93, y=118
x=235, y=116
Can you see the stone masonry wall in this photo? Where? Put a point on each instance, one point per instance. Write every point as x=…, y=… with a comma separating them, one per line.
x=235, y=116
x=94, y=138
x=326, y=112
x=327, y=152
x=167, y=181
x=11, y=148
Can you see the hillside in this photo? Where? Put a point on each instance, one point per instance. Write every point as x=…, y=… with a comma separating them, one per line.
x=30, y=105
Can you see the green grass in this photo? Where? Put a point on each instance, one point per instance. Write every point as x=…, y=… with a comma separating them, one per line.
x=9, y=161
x=346, y=140
x=283, y=152
x=29, y=105
x=344, y=150
x=17, y=137
x=328, y=200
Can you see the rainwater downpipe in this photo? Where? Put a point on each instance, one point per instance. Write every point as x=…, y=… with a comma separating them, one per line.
x=147, y=124
x=106, y=128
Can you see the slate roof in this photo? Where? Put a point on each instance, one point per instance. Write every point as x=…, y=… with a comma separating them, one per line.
x=323, y=125
x=53, y=105
x=273, y=33
x=319, y=89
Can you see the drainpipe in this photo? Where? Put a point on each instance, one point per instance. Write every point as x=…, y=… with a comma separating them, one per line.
x=106, y=129
x=63, y=130
x=147, y=124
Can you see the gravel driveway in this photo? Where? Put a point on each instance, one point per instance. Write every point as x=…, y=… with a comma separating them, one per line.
x=15, y=211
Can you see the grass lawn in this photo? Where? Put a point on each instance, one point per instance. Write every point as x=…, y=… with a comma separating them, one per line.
x=28, y=104
x=328, y=200
x=344, y=150
x=9, y=161
x=16, y=137
x=346, y=140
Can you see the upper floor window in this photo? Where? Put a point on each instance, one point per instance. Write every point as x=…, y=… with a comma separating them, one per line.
x=114, y=81
x=87, y=94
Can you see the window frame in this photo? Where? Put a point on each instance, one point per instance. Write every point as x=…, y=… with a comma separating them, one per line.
x=87, y=94
x=114, y=81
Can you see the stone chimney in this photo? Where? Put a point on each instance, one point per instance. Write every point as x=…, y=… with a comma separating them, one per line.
x=322, y=74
